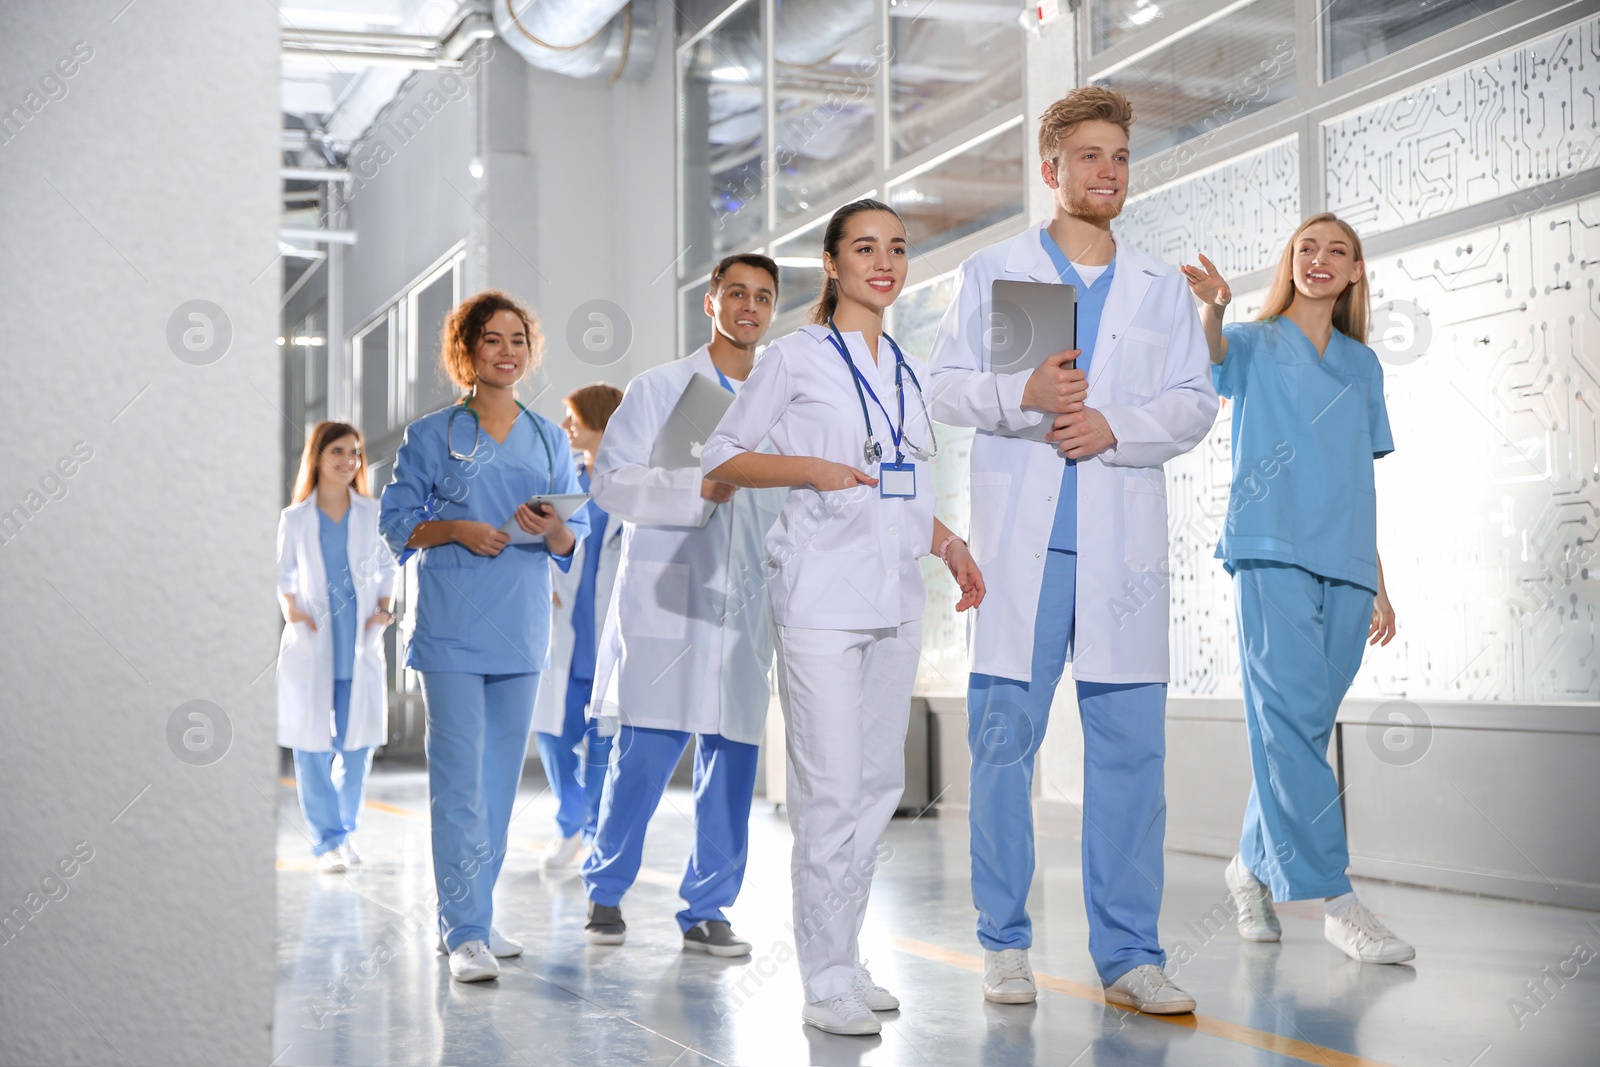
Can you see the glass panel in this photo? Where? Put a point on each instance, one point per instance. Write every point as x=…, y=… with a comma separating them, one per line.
x=374, y=356
x=721, y=119
x=433, y=303
x=1239, y=215
x=799, y=269
x=1221, y=72
x=1113, y=21
x=693, y=14
x=954, y=62
x=943, y=668
x=1470, y=137
x=314, y=328
x=696, y=323
x=823, y=83
x=963, y=194
x=1356, y=32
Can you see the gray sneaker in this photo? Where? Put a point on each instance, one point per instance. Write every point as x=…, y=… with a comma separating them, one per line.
x=605, y=926
x=716, y=937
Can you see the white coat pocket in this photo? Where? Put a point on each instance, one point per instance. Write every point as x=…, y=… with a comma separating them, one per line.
x=1144, y=517
x=1142, y=363
x=655, y=599
x=991, y=492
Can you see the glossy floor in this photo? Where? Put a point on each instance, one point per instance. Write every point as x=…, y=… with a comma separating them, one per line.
x=359, y=981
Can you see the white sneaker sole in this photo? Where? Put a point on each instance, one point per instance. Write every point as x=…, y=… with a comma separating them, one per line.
x=1405, y=955
x=1123, y=1000
x=1026, y=996
x=595, y=937
x=725, y=951
x=475, y=974
x=865, y=1028
x=886, y=1002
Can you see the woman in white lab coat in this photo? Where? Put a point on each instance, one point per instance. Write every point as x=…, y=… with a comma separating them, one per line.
x=575, y=755
x=335, y=580
x=842, y=407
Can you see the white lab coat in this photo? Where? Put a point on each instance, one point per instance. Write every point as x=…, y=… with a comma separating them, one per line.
x=844, y=560
x=1150, y=377
x=688, y=640
x=550, y=708
x=305, y=658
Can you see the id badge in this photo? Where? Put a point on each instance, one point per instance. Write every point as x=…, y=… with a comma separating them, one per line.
x=897, y=480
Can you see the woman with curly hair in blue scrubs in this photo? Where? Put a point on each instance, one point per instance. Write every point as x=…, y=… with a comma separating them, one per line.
x=1301, y=543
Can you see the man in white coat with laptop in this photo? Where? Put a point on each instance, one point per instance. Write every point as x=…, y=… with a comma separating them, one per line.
x=1067, y=467
x=689, y=636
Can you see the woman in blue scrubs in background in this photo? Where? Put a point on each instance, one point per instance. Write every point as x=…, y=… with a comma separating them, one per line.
x=572, y=750
x=483, y=607
x=1300, y=541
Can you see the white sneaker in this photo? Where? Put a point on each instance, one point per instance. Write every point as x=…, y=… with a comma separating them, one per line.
x=1358, y=934
x=561, y=851
x=873, y=995
x=844, y=1014
x=1253, y=903
x=331, y=862
x=352, y=858
x=1007, y=978
x=472, y=962
x=1147, y=989
x=501, y=947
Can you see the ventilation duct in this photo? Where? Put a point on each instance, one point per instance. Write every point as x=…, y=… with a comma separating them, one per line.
x=611, y=39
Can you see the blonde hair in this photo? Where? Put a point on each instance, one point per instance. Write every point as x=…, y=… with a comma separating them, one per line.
x=321, y=436
x=1352, y=311
x=1088, y=104
x=464, y=328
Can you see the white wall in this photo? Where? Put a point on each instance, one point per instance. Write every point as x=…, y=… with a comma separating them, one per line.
x=141, y=580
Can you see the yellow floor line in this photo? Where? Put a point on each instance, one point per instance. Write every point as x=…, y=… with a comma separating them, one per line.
x=1238, y=1033
x=1205, y=1024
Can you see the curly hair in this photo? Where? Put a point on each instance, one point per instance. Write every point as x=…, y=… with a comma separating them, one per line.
x=464, y=327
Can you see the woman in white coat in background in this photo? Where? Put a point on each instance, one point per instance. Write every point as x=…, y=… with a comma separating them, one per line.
x=846, y=588
x=575, y=754
x=335, y=581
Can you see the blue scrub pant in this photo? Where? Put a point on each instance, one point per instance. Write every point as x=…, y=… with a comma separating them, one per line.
x=477, y=739
x=330, y=800
x=575, y=763
x=1124, y=797
x=1300, y=643
x=724, y=779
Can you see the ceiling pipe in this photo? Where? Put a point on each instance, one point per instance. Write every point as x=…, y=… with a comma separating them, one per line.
x=316, y=174
x=611, y=39
x=290, y=234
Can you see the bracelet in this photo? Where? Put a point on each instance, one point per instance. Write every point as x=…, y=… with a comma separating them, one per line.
x=944, y=548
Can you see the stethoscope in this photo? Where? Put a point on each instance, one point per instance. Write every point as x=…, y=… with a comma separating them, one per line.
x=872, y=451
x=477, y=436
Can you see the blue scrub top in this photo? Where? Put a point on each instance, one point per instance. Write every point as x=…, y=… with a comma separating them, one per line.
x=1305, y=434
x=479, y=614
x=1091, y=304
x=335, y=540
x=583, y=621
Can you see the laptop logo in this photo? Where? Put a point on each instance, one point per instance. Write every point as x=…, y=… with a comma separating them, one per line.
x=696, y=447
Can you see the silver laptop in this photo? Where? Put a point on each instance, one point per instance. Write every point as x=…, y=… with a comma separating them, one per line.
x=1028, y=323
x=687, y=429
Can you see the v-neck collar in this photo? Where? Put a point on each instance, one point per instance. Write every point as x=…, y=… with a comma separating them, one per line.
x=1321, y=359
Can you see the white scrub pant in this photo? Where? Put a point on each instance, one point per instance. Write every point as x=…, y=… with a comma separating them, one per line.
x=846, y=698
x=1301, y=637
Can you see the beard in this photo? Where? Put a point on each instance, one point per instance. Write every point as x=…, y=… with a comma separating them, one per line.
x=1085, y=206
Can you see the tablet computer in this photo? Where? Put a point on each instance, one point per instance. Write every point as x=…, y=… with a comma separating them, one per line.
x=566, y=505
x=1028, y=323
x=689, y=426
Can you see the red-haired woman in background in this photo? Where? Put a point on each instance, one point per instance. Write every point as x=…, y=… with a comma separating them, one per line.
x=335, y=579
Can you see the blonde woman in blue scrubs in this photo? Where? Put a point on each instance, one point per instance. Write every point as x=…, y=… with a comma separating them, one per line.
x=1301, y=543
x=483, y=608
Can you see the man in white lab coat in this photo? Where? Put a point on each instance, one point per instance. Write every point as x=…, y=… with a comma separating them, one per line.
x=689, y=635
x=1092, y=489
